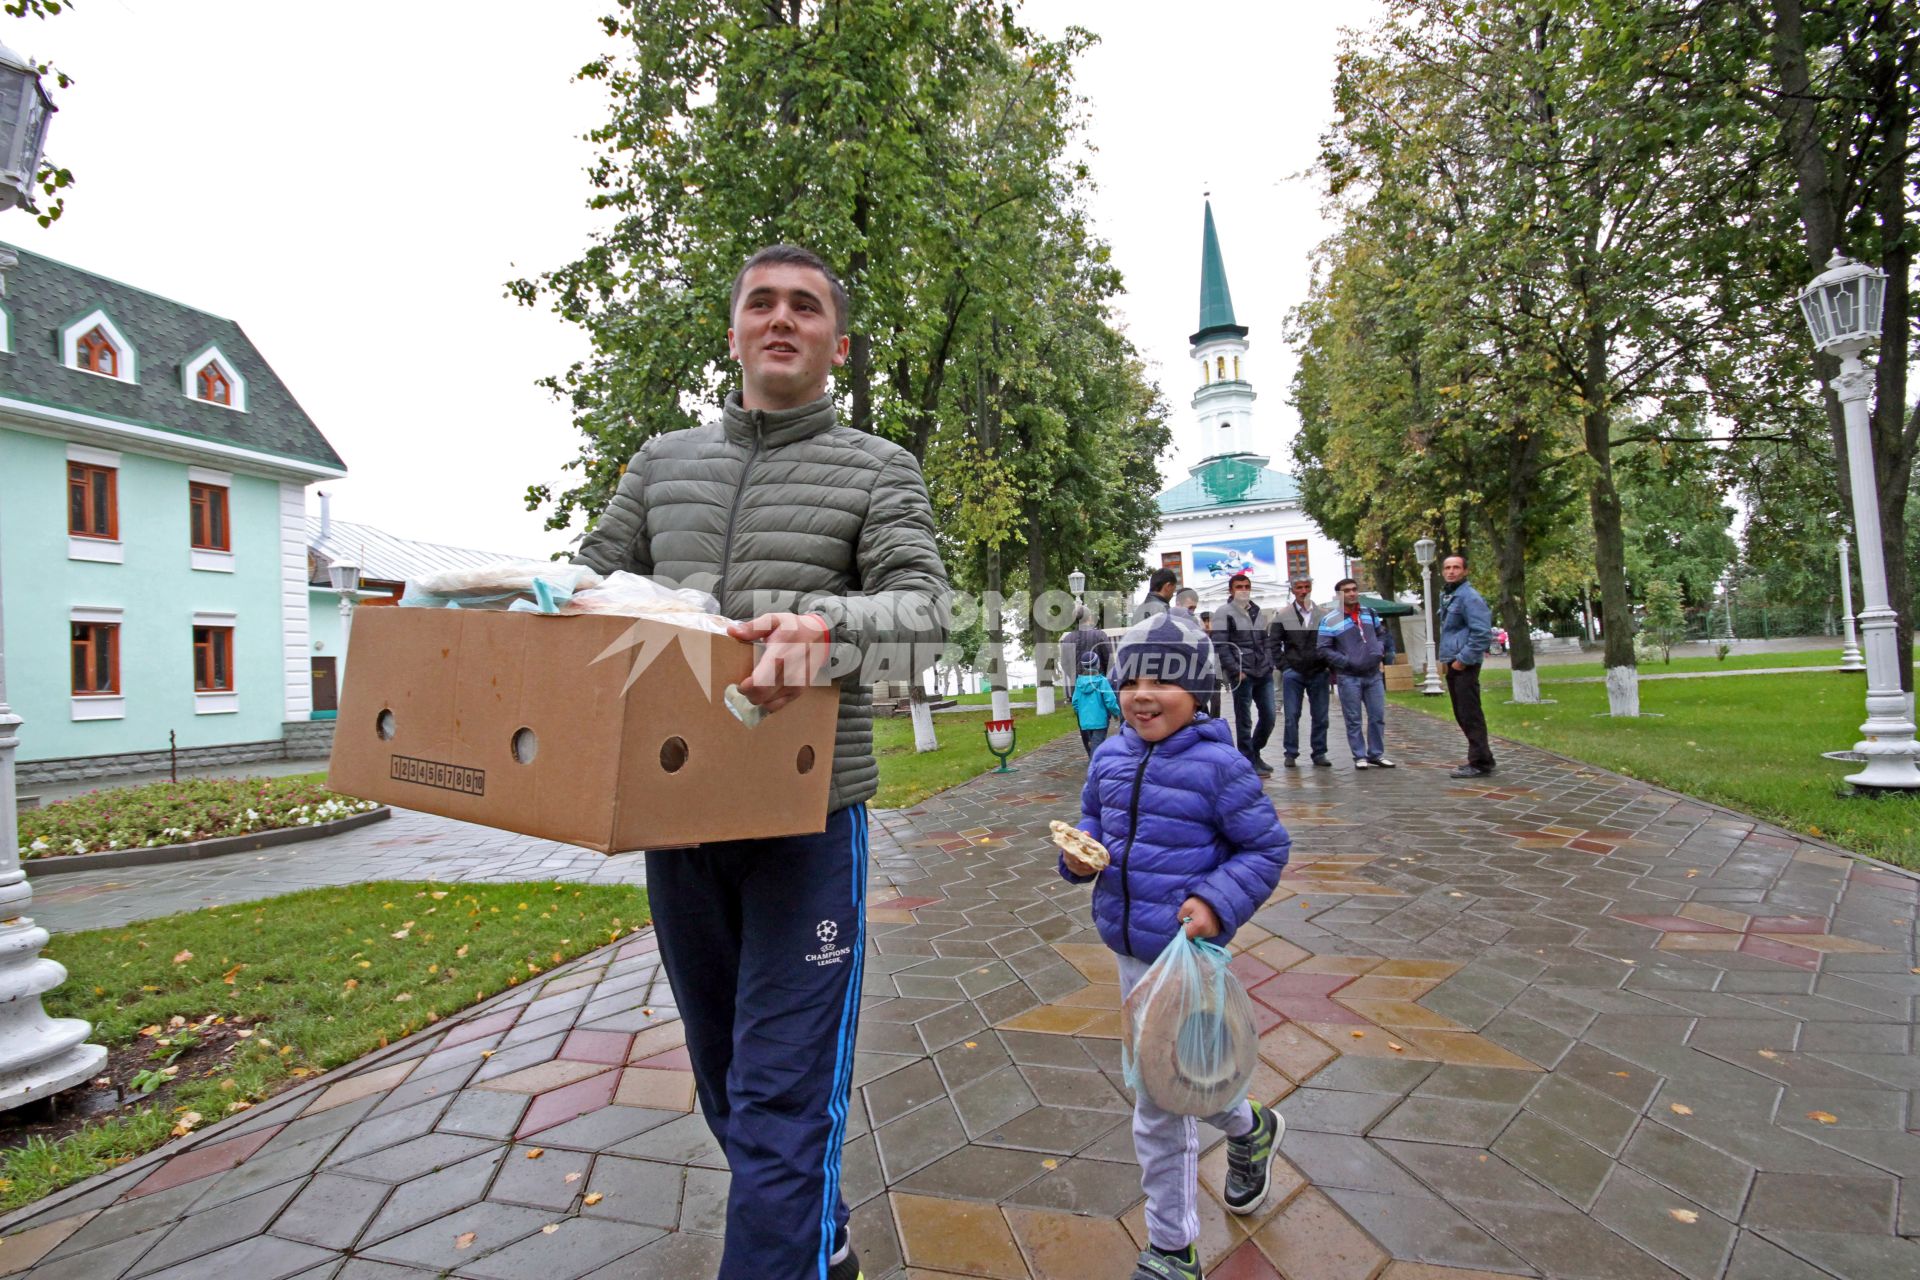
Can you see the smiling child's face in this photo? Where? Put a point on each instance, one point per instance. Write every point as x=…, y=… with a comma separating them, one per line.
x=1155, y=709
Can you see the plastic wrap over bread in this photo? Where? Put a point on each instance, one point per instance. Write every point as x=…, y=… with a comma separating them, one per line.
x=629, y=595
x=540, y=585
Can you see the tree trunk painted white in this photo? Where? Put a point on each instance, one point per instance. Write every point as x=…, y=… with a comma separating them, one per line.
x=1623, y=691
x=923, y=736
x=1526, y=685
x=1043, y=700
x=1002, y=704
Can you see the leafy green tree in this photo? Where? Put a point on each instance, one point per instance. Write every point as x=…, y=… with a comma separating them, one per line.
x=1674, y=516
x=1665, y=620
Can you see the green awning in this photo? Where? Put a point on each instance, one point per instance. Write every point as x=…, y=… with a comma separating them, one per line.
x=1387, y=608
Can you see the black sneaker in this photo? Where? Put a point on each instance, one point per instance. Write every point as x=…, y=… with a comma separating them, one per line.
x=1292, y=762
x=845, y=1263
x=1323, y=762
x=1262, y=768
x=1155, y=1265
x=1250, y=1159
x=1381, y=762
x=1469, y=771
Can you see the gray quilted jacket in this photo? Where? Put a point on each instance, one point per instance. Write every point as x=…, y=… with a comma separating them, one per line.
x=775, y=510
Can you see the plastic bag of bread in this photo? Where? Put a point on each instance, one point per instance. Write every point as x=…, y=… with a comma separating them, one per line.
x=537, y=584
x=1188, y=1039
x=629, y=595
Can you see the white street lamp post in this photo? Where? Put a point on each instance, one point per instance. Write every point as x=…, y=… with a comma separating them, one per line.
x=1850, y=659
x=1423, y=552
x=1842, y=309
x=39, y=1055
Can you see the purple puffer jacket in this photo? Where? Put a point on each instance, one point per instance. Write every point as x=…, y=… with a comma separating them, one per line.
x=1184, y=817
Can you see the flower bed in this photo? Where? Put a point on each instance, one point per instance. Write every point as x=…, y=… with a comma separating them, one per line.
x=165, y=813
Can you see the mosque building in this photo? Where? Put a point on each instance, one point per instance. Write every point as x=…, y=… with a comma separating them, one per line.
x=1234, y=512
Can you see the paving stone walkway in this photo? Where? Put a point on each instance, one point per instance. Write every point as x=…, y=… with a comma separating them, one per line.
x=1557, y=1024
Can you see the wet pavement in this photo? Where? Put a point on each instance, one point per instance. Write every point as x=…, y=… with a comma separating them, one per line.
x=1555, y=1023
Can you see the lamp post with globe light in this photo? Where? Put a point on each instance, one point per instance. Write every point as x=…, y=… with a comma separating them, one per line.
x=1842, y=310
x=1423, y=552
x=39, y=1055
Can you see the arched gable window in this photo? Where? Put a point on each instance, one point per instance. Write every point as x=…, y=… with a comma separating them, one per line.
x=214, y=385
x=96, y=353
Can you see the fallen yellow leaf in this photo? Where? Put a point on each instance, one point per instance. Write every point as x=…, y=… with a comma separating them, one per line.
x=1687, y=1216
x=593, y=1197
x=1824, y=1117
x=549, y=1229
x=183, y=957
x=461, y=954
x=536, y=1153
x=1397, y=1048
x=1680, y=1109
x=1359, y=1035
x=352, y=983
x=573, y=1177
x=464, y=1240
x=1768, y=1053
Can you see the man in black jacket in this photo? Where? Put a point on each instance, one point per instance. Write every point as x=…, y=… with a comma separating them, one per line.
x=1245, y=628
x=1303, y=671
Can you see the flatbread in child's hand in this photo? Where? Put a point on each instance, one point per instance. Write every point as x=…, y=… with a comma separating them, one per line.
x=1081, y=845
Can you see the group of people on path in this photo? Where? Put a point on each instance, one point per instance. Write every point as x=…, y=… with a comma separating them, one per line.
x=1309, y=648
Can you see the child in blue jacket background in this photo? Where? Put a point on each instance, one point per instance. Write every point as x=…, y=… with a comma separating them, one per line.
x=1195, y=845
x=1093, y=702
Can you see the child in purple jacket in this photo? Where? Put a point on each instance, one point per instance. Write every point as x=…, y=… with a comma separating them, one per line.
x=1195, y=845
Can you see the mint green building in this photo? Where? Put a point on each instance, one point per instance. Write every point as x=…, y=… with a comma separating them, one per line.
x=153, y=533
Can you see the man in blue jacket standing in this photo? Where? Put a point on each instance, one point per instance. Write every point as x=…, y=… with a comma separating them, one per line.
x=1466, y=630
x=1357, y=646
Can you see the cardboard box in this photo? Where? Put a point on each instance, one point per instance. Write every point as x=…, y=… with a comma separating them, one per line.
x=527, y=723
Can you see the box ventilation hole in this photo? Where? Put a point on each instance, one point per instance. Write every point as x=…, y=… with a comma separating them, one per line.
x=673, y=755
x=383, y=725
x=804, y=762
x=526, y=745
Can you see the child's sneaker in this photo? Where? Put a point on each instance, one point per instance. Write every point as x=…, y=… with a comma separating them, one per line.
x=1250, y=1159
x=1155, y=1265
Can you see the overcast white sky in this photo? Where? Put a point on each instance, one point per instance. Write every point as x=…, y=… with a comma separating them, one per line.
x=354, y=185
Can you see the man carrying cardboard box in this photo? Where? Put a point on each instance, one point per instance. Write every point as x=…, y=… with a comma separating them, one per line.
x=822, y=536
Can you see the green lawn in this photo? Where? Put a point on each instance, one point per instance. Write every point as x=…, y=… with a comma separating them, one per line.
x=1749, y=742
x=908, y=777
x=318, y=978
x=1733, y=662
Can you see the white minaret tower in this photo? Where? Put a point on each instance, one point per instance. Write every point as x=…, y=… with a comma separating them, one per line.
x=1223, y=403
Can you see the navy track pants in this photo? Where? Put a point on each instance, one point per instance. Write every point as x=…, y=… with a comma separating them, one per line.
x=764, y=944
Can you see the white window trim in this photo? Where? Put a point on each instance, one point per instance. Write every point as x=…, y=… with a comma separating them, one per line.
x=206, y=475
x=97, y=706
x=6, y=330
x=93, y=457
x=207, y=560
x=129, y=362
x=98, y=550
x=190, y=375
x=214, y=619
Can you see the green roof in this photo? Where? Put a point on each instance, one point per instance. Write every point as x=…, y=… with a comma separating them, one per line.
x=1216, y=300
x=43, y=295
x=1229, y=482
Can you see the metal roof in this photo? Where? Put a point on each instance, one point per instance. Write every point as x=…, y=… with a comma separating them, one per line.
x=1229, y=482
x=383, y=557
x=1216, y=300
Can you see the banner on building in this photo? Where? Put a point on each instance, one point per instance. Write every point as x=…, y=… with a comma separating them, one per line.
x=1251, y=556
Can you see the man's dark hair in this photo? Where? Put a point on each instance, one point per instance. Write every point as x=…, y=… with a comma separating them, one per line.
x=1161, y=580
x=1344, y=583
x=1237, y=579
x=794, y=255
x=1461, y=556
